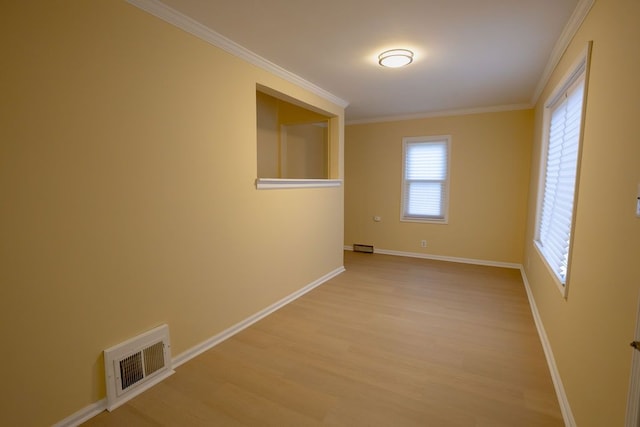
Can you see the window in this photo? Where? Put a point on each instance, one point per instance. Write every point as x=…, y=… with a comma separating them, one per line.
x=560, y=159
x=425, y=179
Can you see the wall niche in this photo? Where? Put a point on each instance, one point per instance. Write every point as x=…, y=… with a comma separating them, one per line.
x=294, y=140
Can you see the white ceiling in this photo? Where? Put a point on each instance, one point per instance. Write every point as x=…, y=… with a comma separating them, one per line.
x=469, y=54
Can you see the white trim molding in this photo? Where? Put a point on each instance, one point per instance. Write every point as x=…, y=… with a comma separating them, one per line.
x=83, y=414
x=565, y=408
x=449, y=259
x=279, y=183
x=191, y=26
x=443, y=113
x=575, y=21
x=442, y=258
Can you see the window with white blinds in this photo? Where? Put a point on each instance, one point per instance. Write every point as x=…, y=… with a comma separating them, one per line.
x=563, y=124
x=425, y=179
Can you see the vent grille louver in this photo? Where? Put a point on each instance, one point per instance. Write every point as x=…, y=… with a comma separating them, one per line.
x=131, y=370
x=153, y=358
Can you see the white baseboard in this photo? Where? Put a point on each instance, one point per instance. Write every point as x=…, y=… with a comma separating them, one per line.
x=565, y=408
x=442, y=258
x=83, y=414
x=228, y=333
x=94, y=409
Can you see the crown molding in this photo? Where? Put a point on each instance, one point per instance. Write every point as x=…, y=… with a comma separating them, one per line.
x=575, y=21
x=191, y=26
x=443, y=113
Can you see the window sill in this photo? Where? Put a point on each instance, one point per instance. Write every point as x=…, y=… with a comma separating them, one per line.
x=562, y=287
x=279, y=183
x=425, y=220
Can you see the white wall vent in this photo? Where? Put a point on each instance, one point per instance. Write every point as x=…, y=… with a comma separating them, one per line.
x=137, y=364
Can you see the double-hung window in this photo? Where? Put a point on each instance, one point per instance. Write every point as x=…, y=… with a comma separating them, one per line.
x=559, y=171
x=425, y=178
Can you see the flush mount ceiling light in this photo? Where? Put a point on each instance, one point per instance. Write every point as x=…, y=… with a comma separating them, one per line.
x=395, y=58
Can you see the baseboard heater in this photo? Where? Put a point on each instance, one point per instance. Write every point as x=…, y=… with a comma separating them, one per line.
x=368, y=249
x=137, y=364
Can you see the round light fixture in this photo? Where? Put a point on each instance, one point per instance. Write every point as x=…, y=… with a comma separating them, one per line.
x=395, y=58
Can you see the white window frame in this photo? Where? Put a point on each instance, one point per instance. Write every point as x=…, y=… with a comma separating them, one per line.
x=439, y=139
x=577, y=75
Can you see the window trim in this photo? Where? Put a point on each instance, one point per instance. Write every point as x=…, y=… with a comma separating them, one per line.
x=578, y=71
x=445, y=208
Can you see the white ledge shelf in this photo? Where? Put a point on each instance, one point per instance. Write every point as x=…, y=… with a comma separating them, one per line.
x=275, y=183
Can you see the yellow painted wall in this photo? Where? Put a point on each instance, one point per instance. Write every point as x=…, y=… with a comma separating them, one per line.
x=490, y=157
x=127, y=169
x=590, y=331
x=307, y=151
x=289, y=114
x=268, y=141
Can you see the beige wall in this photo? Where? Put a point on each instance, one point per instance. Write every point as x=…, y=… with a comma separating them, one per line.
x=268, y=143
x=590, y=331
x=289, y=114
x=307, y=151
x=127, y=169
x=490, y=156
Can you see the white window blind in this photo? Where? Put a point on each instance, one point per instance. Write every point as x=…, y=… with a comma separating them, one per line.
x=563, y=139
x=425, y=179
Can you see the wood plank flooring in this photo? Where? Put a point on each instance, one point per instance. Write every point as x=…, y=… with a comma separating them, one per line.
x=391, y=342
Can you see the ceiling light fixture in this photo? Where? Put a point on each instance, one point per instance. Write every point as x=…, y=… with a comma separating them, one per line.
x=395, y=58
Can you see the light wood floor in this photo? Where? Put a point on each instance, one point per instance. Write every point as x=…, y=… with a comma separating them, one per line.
x=391, y=342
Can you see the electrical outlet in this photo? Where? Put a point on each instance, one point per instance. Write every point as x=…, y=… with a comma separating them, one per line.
x=423, y=243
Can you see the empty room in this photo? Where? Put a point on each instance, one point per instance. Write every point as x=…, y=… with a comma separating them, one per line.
x=340, y=213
